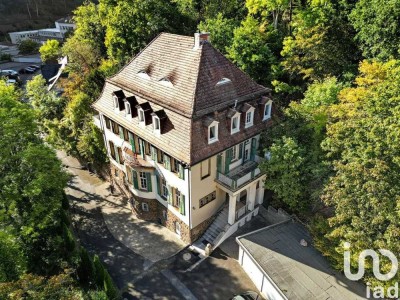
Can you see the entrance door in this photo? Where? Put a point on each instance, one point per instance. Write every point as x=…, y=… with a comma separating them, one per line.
x=247, y=149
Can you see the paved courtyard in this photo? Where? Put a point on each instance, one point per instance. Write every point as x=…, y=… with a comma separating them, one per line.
x=145, y=259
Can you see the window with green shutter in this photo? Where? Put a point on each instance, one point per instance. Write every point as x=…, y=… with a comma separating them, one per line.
x=135, y=180
x=181, y=172
x=149, y=186
x=240, y=150
x=153, y=152
x=158, y=185
x=182, y=204
x=228, y=159
x=167, y=162
x=253, y=149
x=116, y=154
x=219, y=163
x=169, y=197
x=132, y=141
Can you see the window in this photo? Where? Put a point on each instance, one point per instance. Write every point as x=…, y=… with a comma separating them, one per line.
x=177, y=198
x=128, y=112
x=178, y=228
x=141, y=116
x=213, y=132
x=108, y=123
x=176, y=165
x=126, y=135
x=156, y=124
x=112, y=150
x=143, y=74
x=116, y=102
x=235, y=124
x=165, y=81
x=145, y=206
x=249, y=118
x=234, y=153
x=205, y=168
x=223, y=81
x=164, y=189
x=165, y=215
x=143, y=180
x=267, y=110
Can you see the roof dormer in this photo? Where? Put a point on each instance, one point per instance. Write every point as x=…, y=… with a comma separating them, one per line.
x=118, y=100
x=223, y=81
x=143, y=74
x=144, y=111
x=165, y=81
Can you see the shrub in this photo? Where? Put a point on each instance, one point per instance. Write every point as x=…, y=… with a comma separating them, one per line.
x=109, y=287
x=86, y=267
x=98, y=272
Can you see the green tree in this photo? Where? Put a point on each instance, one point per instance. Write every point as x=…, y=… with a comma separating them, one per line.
x=28, y=47
x=50, y=51
x=12, y=261
x=253, y=49
x=378, y=27
x=221, y=30
x=362, y=138
x=31, y=184
x=48, y=105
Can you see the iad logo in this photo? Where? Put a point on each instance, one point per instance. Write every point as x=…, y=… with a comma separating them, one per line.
x=375, y=264
x=376, y=292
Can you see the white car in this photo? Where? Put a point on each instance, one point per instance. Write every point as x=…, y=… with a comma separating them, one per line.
x=11, y=82
x=9, y=72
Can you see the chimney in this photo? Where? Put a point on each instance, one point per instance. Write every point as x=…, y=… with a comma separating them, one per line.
x=200, y=38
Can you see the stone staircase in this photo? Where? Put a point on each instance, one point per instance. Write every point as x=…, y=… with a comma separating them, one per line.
x=213, y=232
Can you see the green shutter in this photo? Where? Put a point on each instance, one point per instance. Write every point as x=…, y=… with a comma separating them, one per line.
x=169, y=194
x=121, y=132
x=153, y=153
x=158, y=185
x=149, y=185
x=228, y=158
x=135, y=180
x=241, y=150
x=181, y=172
x=116, y=154
x=167, y=162
x=219, y=163
x=253, y=149
x=132, y=141
x=182, y=205
x=141, y=148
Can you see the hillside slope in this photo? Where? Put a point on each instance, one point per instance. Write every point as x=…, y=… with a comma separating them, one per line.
x=17, y=15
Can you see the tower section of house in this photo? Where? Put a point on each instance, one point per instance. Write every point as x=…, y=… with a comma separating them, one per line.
x=182, y=128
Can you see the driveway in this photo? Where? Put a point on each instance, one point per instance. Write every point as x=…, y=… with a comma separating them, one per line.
x=146, y=260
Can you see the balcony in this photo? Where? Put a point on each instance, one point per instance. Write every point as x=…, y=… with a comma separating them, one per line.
x=239, y=176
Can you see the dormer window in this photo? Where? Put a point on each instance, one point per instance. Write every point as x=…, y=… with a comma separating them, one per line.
x=116, y=103
x=213, y=132
x=128, y=111
x=267, y=110
x=165, y=81
x=142, y=118
x=249, y=118
x=143, y=74
x=156, y=124
x=235, y=123
x=223, y=81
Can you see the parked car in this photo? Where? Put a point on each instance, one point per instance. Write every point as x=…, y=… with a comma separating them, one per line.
x=11, y=82
x=29, y=70
x=247, y=296
x=8, y=72
x=36, y=67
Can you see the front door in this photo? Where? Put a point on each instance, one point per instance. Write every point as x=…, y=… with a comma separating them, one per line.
x=247, y=149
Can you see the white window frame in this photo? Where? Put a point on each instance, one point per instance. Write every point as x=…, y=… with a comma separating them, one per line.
x=145, y=206
x=215, y=138
x=156, y=120
x=177, y=198
x=128, y=110
x=267, y=114
x=140, y=112
x=235, y=155
x=178, y=228
x=249, y=123
x=143, y=184
x=116, y=103
x=235, y=117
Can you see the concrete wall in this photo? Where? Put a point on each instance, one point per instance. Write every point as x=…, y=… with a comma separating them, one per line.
x=263, y=283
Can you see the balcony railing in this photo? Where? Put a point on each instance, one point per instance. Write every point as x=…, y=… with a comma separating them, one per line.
x=239, y=175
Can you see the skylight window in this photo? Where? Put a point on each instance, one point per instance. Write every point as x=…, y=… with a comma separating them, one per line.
x=165, y=81
x=143, y=74
x=223, y=81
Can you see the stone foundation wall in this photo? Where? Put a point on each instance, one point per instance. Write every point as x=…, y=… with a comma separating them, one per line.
x=156, y=211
